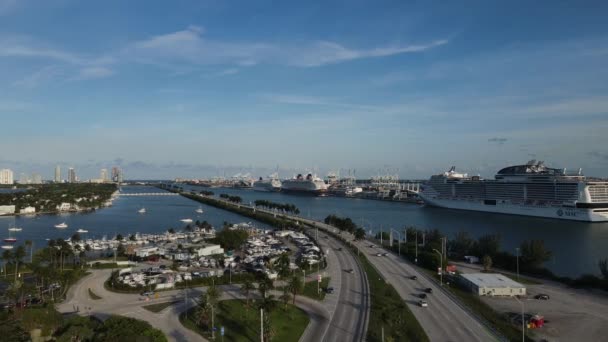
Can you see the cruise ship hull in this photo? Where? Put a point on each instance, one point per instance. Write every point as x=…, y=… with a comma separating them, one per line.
x=317, y=192
x=266, y=189
x=553, y=212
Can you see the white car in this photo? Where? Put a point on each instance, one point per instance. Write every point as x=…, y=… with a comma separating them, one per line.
x=423, y=304
x=378, y=254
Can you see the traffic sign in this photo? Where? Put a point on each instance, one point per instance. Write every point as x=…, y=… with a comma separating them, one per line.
x=319, y=277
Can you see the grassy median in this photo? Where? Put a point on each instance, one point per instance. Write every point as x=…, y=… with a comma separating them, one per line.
x=388, y=311
x=156, y=308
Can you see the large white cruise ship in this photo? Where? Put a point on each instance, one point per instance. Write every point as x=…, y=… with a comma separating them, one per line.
x=308, y=185
x=271, y=184
x=531, y=189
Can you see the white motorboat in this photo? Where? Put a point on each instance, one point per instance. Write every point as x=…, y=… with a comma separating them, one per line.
x=142, y=211
x=82, y=231
x=186, y=220
x=62, y=225
x=199, y=210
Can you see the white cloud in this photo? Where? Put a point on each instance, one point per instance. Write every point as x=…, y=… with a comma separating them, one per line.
x=191, y=46
x=94, y=72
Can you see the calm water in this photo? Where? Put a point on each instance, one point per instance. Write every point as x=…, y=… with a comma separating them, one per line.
x=162, y=213
x=576, y=246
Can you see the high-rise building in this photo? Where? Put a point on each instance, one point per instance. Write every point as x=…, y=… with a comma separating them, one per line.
x=103, y=175
x=6, y=176
x=36, y=178
x=57, y=174
x=71, y=175
x=23, y=178
x=117, y=175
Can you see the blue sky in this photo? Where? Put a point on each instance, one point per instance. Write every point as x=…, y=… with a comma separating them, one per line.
x=203, y=88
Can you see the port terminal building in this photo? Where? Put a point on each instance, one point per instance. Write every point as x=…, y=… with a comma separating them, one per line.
x=492, y=284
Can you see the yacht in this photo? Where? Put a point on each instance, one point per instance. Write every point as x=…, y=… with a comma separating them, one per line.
x=62, y=225
x=82, y=231
x=186, y=220
x=15, y=229
x=142, y=211
x=532, y=189
x=199, y=210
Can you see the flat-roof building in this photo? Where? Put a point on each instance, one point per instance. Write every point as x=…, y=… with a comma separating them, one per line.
x=493, y=284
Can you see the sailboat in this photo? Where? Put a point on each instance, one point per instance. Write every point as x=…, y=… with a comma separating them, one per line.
x=14, y=228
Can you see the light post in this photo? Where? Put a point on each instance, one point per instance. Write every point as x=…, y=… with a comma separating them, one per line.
x=523, y=320
x=416, y=258
x=399, y=243
x=440, y=266
x=517, y=253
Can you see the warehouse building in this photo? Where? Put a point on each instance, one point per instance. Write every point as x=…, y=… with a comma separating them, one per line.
x=492, y=284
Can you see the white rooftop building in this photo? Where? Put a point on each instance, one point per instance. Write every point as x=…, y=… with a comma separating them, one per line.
x=493, y=284
x=6, y=176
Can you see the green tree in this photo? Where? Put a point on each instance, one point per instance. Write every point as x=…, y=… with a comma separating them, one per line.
x=461, y=245
x=132, y=237
x=534, y=254
x=17, y=256
x=487, y=262
x=282, y=265
x=264, y=285
x=119, y=237
x=488, y=245
x=295, y=286
x=171, y=231
x=603, y=264
x=75, y=237
x=359, y=234
x=246, y=288
x=285, y=297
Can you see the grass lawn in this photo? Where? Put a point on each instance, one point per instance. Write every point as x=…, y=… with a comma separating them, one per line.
x=93, y=295
x=159, y=306
x=388, y=311
x=243, y=324
x=310, y=289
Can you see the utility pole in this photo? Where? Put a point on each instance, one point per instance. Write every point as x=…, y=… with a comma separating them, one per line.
x=517, y=250
x=416, y=258
x=381, y=233
x=261, y=325
x=212, y=324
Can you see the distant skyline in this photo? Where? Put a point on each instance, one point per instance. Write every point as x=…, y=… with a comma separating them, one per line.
x=203, y=88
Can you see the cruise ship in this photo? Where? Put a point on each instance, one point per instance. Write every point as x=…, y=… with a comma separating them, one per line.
x=271, y=184
x=531, y=190
x=305, y=185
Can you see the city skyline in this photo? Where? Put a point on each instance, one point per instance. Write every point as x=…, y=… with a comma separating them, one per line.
x=203, y=88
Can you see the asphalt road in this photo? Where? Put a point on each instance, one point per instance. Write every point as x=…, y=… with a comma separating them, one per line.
x=349, y=305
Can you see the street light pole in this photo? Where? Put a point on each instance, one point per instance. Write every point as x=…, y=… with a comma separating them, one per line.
x=440, y=266
x=398, y=244
x=416, y=258
x=517, y=250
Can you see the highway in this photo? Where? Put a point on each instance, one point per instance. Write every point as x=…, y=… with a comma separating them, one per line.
x=444, y=319
x=349, y=305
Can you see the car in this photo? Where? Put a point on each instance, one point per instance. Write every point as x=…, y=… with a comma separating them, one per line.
x=147, y=293
x=378, y=254
x=428, y=290
x=413, y=277
x=423, y=303
x=162, y=267
x=371, y=246
x=339, y=249
x=384, y=254
x=350, y=271
x=542, y=296
x=329, y=290
x=422, y=295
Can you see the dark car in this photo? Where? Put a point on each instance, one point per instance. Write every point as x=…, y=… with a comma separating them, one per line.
x=422, y=295
x=428, y=290
x=329, y=290
x=542, y=296
x=413, y=277
x=340, y=249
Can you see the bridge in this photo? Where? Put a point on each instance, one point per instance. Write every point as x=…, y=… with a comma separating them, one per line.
x=128, y=194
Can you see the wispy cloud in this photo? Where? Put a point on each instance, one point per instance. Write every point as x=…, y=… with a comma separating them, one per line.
x=498, y=140
x=191, y=46
x=40, y=76
x=314, y=101
x=94, y=72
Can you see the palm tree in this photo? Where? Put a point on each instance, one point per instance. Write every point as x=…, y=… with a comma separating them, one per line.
x=285, y=297
x=7, y=256
x=282, y=265
x=264, y=285
x=246, y=288
x=294, y=286
x=18, y=255
x=213, y=295
x=30, y=244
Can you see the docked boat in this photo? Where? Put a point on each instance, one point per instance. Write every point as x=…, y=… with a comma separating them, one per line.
x=62, y=225
x=10, y=239
x=531, y=190
x=15, y=229
x=306, y=185
x=7, y=247
x=271, y=184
